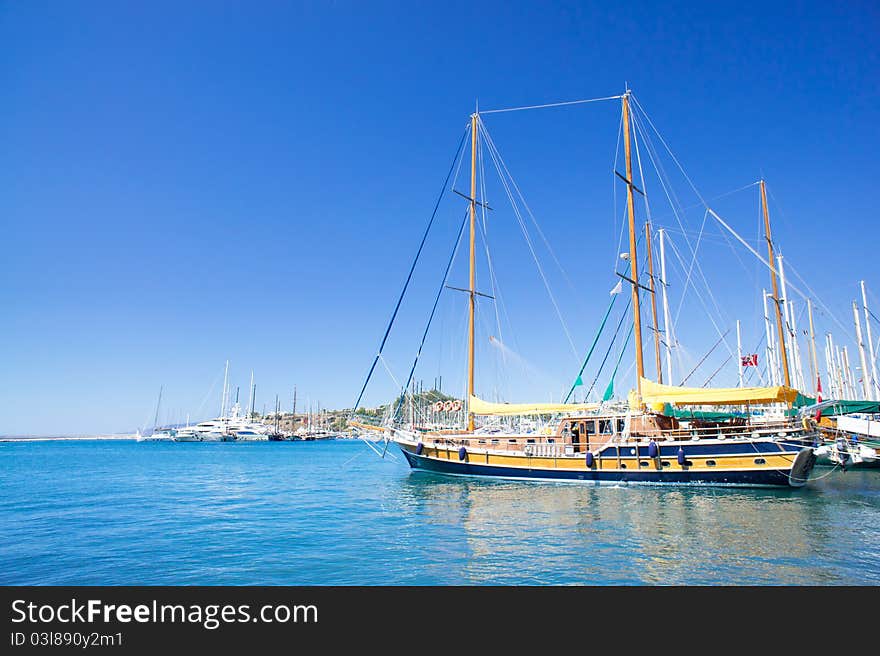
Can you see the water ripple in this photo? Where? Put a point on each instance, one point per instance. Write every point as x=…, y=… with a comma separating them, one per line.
x=122, y=513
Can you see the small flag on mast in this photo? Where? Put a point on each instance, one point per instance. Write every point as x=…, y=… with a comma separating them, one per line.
x=617, y=288
x=818, y=396
x=750, y=360
x=609, y=391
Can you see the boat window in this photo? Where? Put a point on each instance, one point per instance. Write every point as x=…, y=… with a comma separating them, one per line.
x=710, y=463
x=551, y=440
x=604, y=426
x=620, y=424
x=760, y=461
x=495, y=441
x=531, y=440
x=643, y=463
x=664, y=463
x=511, y=441
x=623, y=465
x=591, y=427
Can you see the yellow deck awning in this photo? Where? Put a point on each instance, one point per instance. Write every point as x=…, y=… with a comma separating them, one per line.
x=480, y=407
x=656, y=393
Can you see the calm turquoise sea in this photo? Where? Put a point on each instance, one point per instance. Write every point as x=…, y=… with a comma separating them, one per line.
x=332, y=513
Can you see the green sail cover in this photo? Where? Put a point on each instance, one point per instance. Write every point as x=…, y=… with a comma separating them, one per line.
x=684, y=413
x=850, y=407
x=803, y=400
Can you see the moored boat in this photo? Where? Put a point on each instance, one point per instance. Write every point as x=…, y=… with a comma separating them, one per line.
x=631, y=442
x=850, y=433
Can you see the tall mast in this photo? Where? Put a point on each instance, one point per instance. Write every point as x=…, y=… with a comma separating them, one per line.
x=847, y=372
x=653, y=302
x=633, y=263
x=829, y=367
x=772, y=261
x=156, y=418
x=835, y=368
x=772, y=368
x=667, y=326
x=473, y=266
x=866, y=377
x=814, y=362
x=874, y=382
x=739, y=353
x=223, y=396
x=795, y=348
x=251, y=396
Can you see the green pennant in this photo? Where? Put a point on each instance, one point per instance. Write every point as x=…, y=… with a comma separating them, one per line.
x=609, y=391
x=578, y=381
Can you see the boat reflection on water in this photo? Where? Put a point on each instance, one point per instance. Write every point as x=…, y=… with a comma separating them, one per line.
x=538, y=533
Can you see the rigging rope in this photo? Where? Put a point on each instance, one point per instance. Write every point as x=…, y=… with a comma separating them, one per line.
x=733, y=232
x=410, y=274
x=592, y=346
x=703, y=359
x=528, y=209
x=622, y=351
x=556, y=104
x=611, y=345
x=433, y=310
x=700, y=298
x=495, y=157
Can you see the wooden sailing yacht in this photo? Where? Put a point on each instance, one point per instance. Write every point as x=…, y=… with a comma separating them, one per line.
x=639, y=441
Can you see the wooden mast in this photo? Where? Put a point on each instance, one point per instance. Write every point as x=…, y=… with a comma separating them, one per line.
x=473, y=268
x=653, y=302
x=633, y=263
x=776, y=301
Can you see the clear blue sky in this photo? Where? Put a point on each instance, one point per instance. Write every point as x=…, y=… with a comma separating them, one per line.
x=185, y=183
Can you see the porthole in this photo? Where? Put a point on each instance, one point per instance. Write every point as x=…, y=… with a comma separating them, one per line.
x=710, y=463
x=622, y=465
x=760, y=461
x=664, y=463
x=644, y=463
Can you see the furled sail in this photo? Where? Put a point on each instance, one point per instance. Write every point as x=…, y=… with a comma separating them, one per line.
x=656, y=393
x=480, y=407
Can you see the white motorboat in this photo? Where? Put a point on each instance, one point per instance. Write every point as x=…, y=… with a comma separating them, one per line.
x=158, y=435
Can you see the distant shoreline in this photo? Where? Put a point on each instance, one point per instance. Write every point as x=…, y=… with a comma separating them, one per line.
x=46, y=438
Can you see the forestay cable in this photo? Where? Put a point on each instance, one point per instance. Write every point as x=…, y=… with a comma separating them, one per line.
x=458, y=151
x=556, y=104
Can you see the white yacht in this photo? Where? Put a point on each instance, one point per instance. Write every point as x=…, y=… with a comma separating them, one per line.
x=214, y=430
x=230, y=426
x=158, y=435
x=188, y=434
x=244, y=429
